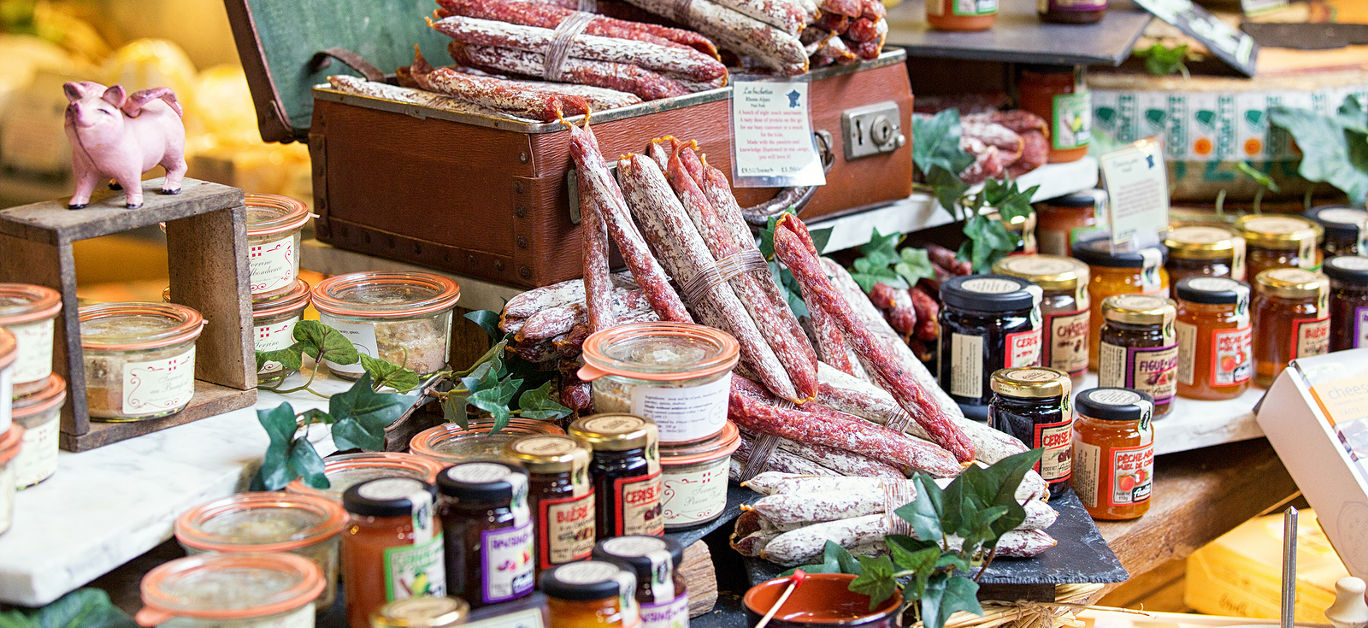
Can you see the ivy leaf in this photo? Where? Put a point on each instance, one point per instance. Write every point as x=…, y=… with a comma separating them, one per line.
x=488, y=320
x=314, y=415
x=82, y=608
x=1162, y=60
x=315, y=338
x=495, y=401
x=936, y=143
x=363, y=414
x=793, y=293
x=996, y=486
x=875, y=579
x=279, y=423
x=868, y=273
x=927, y=510
x=916, y=556
x=386, y=373
x=1334, y=148
x=948, y=189
x=835, y=559
x=307, y=464
x=946, y=594
x=820, y=238
x=915, y=266
x=989, y=241
x=454, y=410
x=291, y=357
x=539, y=404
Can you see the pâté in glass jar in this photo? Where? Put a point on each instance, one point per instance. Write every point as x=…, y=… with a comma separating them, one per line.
x=274, y=223
x=247, y=590
x=346, y=470
x=11, y=441
x=400, y=317
x=694, y=477
x=8, y=351
x=29, y=312
x=451, y=444
x=40, y=416
x=139, y=359
x=273, y=324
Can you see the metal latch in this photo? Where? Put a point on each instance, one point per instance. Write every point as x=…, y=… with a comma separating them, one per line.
x=571, y=185
x=871, y=130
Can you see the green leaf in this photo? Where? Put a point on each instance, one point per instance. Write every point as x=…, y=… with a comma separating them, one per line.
x=793, y=293
x=538, y=403
x=279, y=423
x=1262, y=179
x=315, y=338
x=385, y=373
x=314, y=415
x=875, y=580
x=488, y=320
x=835, y=559
x=995, y=487
x=454, y=410
x=820, y=238
x=946, y=594
x=989, y=241
x=1334, y=148
x=1162, y=60
x=82, y=608
x=307, y=464
x=495, y=401
x=291, y=357
x=916, y=556
x=915, y=266
x=363, y=414
x=948, y=189
x=927, y=511
x=936, y=143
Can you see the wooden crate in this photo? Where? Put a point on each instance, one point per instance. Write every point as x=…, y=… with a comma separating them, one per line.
x=206, y=241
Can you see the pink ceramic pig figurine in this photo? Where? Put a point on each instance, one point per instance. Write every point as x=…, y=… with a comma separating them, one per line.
x=119, y=137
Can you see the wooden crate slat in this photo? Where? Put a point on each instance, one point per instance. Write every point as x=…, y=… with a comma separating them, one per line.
x=106, y=214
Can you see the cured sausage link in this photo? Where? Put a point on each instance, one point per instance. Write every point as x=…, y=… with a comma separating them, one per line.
x=496, y=93
x=598, y=292
x=806, y=268
x=550, y=16
x=622, y=77
x=736, y=31
x=525, y=304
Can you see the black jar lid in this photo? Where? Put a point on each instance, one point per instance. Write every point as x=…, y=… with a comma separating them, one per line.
x=587, y=580
x=1086, y=198
x=1212, y=290
x=990, y=293
x=1341, y=221
x=388, y=497
x=1115, y=404
x=1098, y=252
x=1347, y=268
x=644, y=554
x=484, y=481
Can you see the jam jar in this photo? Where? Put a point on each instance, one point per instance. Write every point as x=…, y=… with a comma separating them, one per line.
x=139, y=359
x=1215, y=340
x=625, y=470
x=345, y=470
x=1344, y=228
x=1139, y=347
x=273, y=229
x=1204, y=250
x=662, y=594
x=1065, y=220
x=240, y=590
x=675, y=374
x=1348, y=301
x=1118, y=270
x=488, y=530
x=694, y=479
x=29, y=312
x=1113, y=460
x=421, y=612
x=559, y=494
x=1291, y=319
x=590, y=594
x=1059, y=95
x=451, y=444
x=1071, y=11
x=40, y=415
x=989, y=322
x=393, y=547
x=401, y=317
x=1064, y=307
x=1032, y=403
x=961, y=15
x=1279, y=242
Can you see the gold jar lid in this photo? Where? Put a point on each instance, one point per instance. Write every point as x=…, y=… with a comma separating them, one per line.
x=1277, y=232
x=548, y=454
x=1055, y=273
x=614, y=432
x=421, y=612
x=1293, y=283
x=1203, y=242
x=1139, y=309
x=1031, y=382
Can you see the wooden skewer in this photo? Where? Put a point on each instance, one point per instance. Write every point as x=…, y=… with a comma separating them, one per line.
x=797, y=577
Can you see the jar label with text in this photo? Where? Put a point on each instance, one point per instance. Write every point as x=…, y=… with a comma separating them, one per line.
x=274, y=265
x=1056, y=463
x=158, y=385
x=507, y=563
x=684, y=413
x=1023, y=348
x=1132, y=475
x=1152, y=370
x=1361, y=326
x=694, y=496
x=966, y=365
x=1310, y=336
x=638, y=506
x=33, y=347
x=1072, y=124
x=1232, y=359
x=37, y=458
x=273, y=337
x=973, y=7
x=1187, y=352
x=6, y=399
x=672, y=614
x=566, y=528
x=1067, y=349
x=362, y=335
x=415, y=570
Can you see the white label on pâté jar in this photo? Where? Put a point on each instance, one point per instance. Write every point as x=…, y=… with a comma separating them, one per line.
x=274, y=265
x=34, y=344
x=684, y=413
x=361, y=335
x=272, y=337
x=158, y=385
x=38, y=458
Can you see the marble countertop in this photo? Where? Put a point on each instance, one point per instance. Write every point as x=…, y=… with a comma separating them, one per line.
x=109, y=505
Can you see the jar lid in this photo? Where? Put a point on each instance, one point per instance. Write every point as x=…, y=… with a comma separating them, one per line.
x=1341, y=220
x=132, y=326
x=648, y=556
x=260, y=522
x=1050, y=272
x=1212, y=290
x=421, y=612
x=1201, y=242
x=720, y=446
x=1347, y=268
x=483, y=482
x=229, y=586
x=347, y=470
x=1115, y=404
x=614, y=432
x=1139, y=309
x=1032, y=382
x=9, y=348
x=588, y=580
x=1086, y=198
x=269, y=214
x=388, y=497
x=1277, y=232
x=374, y=294
x=24, y=303
x=548, y=454
x=663, y=351
x=450, y=443
x=1098, y=252
x=989, y=293
x=50, y=396
x=1292, y=283
x=293, y=301
x=10, y=442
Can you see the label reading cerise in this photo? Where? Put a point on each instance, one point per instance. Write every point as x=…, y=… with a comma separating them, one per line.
x=507, y=556
x=1056, y=463
x=1023, y=348
x=639, y=509
x=1132, y=475
x=567, y=530
x=273, y=265
x=1067, y=349
x=158, y=385
x=1310, y=336
x=1231, y=356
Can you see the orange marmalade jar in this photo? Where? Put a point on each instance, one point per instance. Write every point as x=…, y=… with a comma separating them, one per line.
x=1114, y=271
x=1059, y=96
x=1113, y=452
x=961, y=15
x=1279, y=242
x=1291, y=319
x=1204, y=250
x=1215, y=351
